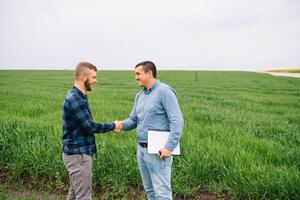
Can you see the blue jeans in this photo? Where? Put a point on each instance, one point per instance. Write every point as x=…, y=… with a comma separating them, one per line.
x=155, y=173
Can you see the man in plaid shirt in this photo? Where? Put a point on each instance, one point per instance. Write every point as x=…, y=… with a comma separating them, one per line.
x=78, y=132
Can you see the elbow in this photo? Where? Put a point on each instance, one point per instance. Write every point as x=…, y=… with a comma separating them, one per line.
x=180, y=121
x=86, y=129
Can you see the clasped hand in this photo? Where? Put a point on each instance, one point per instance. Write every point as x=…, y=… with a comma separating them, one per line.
x=118, y=127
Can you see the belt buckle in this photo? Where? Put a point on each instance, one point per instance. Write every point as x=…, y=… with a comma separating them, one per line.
x=144, y=145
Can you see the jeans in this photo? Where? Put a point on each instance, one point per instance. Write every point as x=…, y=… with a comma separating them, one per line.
x=155, y=174
x=80, y=174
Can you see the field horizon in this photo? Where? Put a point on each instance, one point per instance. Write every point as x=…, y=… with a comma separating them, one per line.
x=191, y=69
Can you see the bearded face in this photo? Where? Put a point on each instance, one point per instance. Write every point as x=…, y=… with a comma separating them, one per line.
x=89, y=79
x=87, y=85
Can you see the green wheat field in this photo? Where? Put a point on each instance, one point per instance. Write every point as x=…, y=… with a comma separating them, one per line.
x=241, y=135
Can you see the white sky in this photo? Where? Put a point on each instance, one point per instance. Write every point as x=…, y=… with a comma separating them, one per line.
x=250, y=35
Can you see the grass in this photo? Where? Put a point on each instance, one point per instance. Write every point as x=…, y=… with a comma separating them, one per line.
x=6, y=193
x=241, y=134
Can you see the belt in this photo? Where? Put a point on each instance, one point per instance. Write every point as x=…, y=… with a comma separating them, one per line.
x=144, y=145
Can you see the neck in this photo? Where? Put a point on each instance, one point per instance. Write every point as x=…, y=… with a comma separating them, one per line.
x=80, y=86
x=151, y=82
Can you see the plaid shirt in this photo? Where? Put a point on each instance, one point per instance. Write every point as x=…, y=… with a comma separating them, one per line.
x=78, y=125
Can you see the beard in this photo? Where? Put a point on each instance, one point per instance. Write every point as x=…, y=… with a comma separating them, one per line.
x=87, y=85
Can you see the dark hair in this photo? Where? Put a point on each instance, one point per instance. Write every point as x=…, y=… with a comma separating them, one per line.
x=81, y=68
x=148, y=66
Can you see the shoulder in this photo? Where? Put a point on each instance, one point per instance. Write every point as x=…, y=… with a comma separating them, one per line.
x=138, y=94
x=72, y=97
x=165, y=89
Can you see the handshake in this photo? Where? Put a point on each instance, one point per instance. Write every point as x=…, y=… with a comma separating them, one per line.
x=118, y=127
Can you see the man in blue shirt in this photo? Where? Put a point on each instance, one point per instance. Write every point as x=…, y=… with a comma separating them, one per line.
x=78, y=132
x=155, y=107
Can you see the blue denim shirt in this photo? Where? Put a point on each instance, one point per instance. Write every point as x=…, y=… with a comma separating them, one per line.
x=156, y=108
x=78, y=125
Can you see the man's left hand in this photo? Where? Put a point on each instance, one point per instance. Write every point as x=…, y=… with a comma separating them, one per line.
x=163, y=153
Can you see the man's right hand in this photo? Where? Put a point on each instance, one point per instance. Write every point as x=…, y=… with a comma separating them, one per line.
x=118, y=127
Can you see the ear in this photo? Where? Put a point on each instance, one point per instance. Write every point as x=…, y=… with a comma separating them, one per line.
x=150, y=73
x=83, y=77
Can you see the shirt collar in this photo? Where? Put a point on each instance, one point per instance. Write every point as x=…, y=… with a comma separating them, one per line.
x=79, y=92
x=155, y=84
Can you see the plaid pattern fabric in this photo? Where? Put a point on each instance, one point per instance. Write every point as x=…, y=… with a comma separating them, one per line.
x=78, y=125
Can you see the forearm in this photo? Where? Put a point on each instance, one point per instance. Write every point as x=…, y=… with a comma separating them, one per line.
x=176, y=127
x=91, y=127
x=129, y=124
x=103, y=127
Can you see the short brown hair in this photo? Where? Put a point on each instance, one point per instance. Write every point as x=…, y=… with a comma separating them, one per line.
x=148, y=66
x=81, y=69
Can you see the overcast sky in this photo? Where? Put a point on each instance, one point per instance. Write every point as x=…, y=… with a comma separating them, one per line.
x=252, y=35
